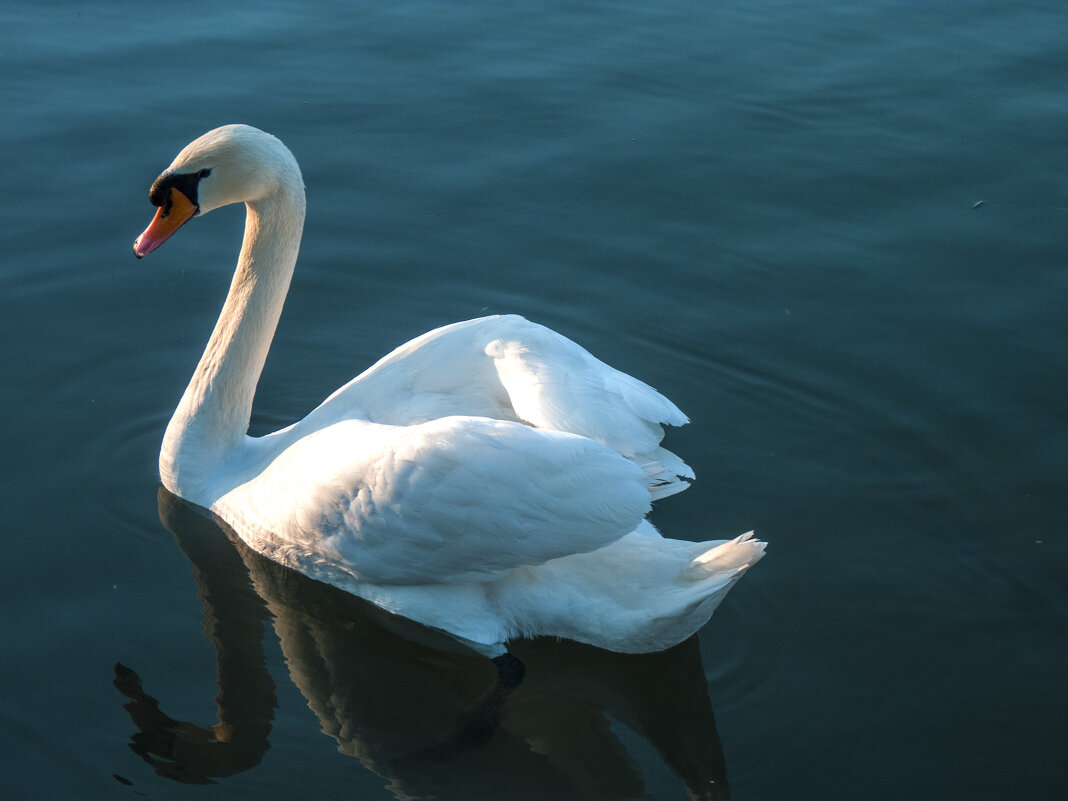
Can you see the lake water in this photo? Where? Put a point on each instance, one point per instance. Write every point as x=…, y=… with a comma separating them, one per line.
x=833, y=233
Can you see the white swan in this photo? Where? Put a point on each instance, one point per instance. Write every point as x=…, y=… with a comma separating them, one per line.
x=489, y=478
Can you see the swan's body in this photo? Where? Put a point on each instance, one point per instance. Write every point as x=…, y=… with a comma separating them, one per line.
x=489, y=478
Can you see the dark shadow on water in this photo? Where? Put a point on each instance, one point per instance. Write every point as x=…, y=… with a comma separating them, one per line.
x=430, y=717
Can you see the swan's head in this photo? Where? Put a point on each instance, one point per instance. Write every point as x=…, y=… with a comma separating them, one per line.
x=232, y=164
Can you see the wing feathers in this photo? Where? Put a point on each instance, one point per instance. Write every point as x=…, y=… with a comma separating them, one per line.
x=449, y=500
x=419, y=471
x=554, y=383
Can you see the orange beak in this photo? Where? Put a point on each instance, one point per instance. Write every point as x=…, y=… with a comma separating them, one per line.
x=171, y=216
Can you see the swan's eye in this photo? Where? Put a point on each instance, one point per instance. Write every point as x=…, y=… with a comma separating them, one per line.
x=204, y=173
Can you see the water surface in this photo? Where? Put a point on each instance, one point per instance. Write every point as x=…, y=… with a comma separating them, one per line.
x=834, y=234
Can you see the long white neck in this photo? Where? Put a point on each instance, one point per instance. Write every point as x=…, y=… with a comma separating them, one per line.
x=211, y=421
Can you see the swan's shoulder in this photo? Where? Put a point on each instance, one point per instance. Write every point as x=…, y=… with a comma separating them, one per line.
x=444, y=501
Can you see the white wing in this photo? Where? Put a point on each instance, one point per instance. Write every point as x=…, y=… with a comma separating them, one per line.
x=450, y=500
x=508, y=368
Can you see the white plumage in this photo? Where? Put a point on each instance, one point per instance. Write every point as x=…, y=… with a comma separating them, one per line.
x=489, y=478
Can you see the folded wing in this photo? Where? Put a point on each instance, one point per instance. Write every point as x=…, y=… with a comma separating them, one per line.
x=455, y=499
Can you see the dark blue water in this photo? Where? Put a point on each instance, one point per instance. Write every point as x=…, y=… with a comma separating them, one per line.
x=834, y=234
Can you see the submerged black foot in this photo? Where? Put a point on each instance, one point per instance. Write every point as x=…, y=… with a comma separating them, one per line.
x=510, y=671
x=482, y=721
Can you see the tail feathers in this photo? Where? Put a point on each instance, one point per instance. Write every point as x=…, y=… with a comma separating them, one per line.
x=727, y=560
x=667, y=473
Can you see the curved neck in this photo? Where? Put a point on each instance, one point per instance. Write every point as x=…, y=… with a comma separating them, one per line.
x=213, y=416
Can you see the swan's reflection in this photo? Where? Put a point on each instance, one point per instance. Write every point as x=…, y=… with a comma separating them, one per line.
x=430, y=717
